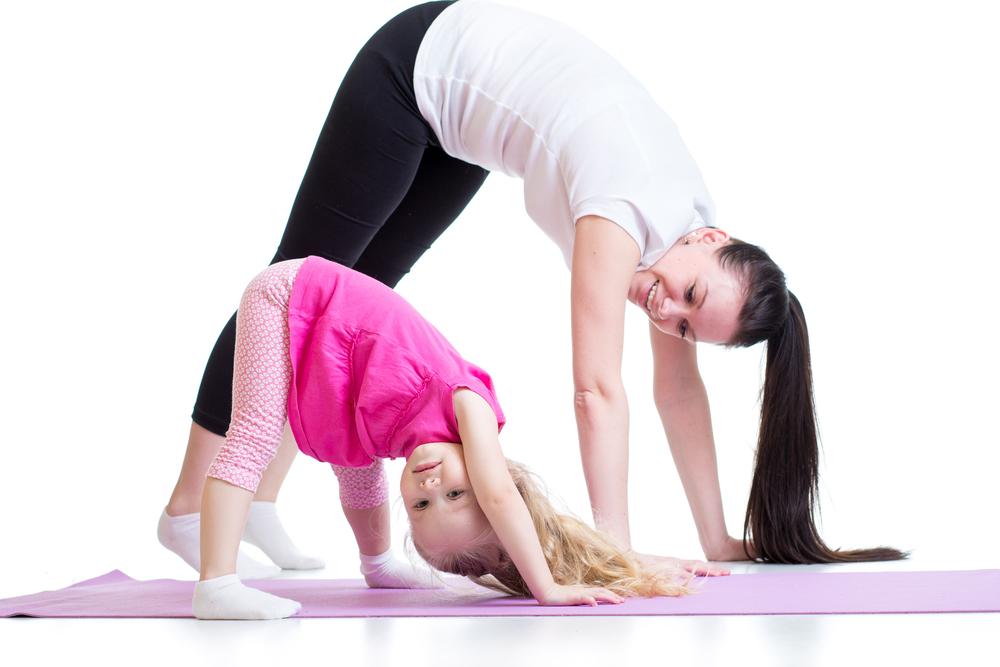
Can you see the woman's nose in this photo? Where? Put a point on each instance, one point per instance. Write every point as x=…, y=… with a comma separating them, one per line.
x=671, y=309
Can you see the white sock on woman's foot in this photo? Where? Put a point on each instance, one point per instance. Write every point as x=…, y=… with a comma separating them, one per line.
x=264, y=531
x=182, y=535
x=226, y=597
x=386, y=571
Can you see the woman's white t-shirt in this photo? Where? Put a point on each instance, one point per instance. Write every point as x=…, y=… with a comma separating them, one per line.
x=515, y=92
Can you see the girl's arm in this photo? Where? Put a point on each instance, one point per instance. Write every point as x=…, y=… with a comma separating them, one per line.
x=604, y=259
x=505, y=509
x=682, y=402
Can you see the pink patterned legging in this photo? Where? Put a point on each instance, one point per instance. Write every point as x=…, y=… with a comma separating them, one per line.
x=262, y=374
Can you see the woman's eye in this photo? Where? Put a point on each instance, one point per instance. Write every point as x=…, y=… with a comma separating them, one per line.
x=683, y=329
x=689, y=294
x=456, y=493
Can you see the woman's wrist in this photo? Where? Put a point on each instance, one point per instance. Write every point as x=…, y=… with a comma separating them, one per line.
x=715, y=544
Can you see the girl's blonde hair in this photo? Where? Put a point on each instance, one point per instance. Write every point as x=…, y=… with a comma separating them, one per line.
x=575, y=553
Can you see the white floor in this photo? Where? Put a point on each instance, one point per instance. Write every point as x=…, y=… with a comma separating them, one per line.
x=916, y=639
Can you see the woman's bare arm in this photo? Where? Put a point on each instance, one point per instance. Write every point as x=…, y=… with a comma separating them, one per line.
x=604, y=259
x=682, y=403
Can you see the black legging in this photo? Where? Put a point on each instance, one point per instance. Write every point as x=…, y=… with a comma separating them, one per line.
x=378, y=190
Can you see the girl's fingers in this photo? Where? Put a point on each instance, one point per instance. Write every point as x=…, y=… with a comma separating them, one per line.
x=607, y=596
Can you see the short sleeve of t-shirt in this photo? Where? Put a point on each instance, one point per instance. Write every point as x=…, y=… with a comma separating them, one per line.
x=627, y=164
x=431, y=415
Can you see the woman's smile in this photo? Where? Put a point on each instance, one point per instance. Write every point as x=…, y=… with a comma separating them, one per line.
x=649, y=296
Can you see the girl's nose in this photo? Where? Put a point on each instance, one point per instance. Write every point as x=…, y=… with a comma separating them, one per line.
x=430, y=483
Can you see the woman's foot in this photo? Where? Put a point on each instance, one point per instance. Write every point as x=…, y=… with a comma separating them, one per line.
x=264, y=531
x=182, y=535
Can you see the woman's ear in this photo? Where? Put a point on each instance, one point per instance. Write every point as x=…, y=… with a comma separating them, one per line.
x=710, y=235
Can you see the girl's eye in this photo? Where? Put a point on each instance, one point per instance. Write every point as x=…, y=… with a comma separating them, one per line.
x=689, y=294
x=420, y=504
x=683, y=328
x=456, y=493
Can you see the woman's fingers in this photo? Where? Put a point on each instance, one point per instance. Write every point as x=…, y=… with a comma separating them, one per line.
x=703, y=569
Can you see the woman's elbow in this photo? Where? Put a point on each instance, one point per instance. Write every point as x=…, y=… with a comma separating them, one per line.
x=587, y=397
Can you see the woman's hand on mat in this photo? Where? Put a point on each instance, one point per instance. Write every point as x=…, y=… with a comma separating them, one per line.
x=679, y=567
x=731, y=549
x=559, y=595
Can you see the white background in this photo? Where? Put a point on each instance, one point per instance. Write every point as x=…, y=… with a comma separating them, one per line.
x=149, y=154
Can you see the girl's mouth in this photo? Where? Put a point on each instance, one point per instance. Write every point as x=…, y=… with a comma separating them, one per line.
x=423, y=467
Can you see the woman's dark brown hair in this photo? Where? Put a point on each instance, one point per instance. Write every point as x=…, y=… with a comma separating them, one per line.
x=780, y=523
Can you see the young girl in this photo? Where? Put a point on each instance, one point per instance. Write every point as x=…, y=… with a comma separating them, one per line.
x=360, y=376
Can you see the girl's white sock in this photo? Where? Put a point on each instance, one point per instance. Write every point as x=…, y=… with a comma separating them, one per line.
x=264, y=530
x=182, y=535
x=226, y=597
x=386, y=571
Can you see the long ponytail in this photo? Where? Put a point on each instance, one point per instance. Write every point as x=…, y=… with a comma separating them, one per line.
x=779, y=521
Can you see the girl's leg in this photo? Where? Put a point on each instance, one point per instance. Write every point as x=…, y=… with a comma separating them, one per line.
x=261, y=382
x=263, y=361
x=219, y=593
x=364, y=497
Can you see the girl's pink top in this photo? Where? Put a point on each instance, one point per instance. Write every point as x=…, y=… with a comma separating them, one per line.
x=370, y=376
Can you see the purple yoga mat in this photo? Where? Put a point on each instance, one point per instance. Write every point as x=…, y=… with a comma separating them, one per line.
x=115, y=595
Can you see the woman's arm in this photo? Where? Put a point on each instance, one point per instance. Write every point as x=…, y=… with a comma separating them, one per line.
x=505, y=509
x=604, y=259
x=682, y=402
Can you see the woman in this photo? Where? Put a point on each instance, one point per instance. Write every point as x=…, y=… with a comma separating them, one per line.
x=447, y=91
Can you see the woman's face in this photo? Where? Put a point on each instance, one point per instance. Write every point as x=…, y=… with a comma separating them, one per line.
x=687, y=293
x=440, y=503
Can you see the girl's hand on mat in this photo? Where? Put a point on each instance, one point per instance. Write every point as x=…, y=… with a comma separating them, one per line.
x=679, y=568
x=559, y=595
x=731, y=549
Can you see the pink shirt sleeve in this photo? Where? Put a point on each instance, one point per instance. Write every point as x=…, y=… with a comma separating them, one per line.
x=432, y=416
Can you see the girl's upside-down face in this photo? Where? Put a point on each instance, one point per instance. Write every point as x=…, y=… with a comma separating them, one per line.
x=440, y=502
